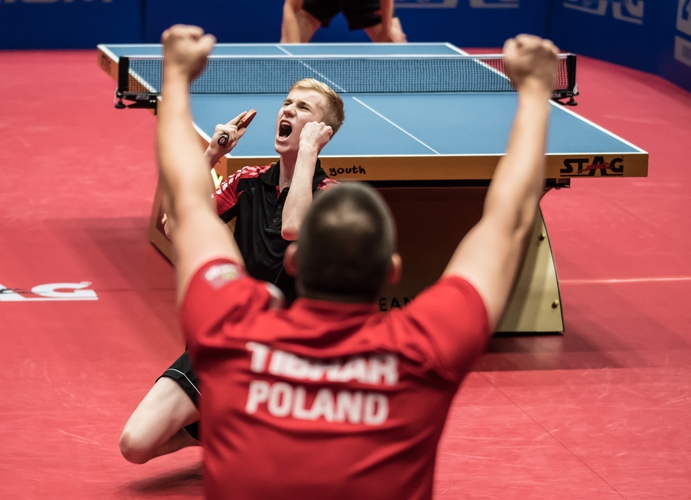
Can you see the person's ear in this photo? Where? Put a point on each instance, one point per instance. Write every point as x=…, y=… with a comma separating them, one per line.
x=396, y=269
x=290, y=259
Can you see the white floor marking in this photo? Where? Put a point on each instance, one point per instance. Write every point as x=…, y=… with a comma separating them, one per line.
x=626, y=280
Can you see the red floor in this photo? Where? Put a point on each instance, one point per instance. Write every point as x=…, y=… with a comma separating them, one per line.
x=600, y=412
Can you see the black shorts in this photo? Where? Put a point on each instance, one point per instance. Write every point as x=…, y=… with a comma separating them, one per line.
x=360, y=14
x=181, y=371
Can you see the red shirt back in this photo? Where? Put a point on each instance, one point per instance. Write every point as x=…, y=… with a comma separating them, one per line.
x=325, y=400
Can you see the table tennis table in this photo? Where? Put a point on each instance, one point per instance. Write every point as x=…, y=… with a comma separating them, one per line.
x=430, y=153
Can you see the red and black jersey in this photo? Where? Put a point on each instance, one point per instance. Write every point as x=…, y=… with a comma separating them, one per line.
x=252, y=196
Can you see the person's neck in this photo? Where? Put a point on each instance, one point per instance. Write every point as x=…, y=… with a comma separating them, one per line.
x=286, y=171
x=336, y=297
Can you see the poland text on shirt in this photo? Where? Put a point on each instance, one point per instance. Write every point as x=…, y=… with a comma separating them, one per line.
x=282, y=399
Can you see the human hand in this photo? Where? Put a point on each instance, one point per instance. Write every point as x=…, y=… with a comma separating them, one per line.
x=315, y=135
x=531, y=61
x=215, y=150
x=393, y=36
x=185, y=49
x=393, y=32
x=389, y=31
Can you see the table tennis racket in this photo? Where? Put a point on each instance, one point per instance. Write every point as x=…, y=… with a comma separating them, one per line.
x=246, y=120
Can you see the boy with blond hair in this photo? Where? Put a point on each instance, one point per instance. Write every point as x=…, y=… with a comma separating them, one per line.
x=268, y=203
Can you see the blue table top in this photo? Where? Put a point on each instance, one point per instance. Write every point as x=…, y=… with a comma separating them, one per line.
x=419, y=135
x=318, y=49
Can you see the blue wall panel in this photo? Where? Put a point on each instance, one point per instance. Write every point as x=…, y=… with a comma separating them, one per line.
x=231, y=21
x=65, y=24
x=470, y=23
x=675, y=65
x=589, y=27
x=650, y=35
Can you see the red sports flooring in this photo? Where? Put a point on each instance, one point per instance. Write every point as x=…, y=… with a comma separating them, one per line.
x=601, y=412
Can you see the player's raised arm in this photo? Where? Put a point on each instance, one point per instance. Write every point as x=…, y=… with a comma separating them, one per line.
x=489, y=255
x=313, y=138
x=199, y=234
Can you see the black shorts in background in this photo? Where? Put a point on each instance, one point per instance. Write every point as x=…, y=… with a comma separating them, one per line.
x=360, y=14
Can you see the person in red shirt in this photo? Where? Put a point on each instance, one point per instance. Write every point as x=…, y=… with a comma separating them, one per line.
x=268, y=204
x=331, y=398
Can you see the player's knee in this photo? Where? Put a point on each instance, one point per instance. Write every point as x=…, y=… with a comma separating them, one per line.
x=133, y=449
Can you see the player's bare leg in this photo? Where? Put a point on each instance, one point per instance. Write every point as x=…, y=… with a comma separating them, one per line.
x=395, y=34
x=157, y=425
x=298, y=26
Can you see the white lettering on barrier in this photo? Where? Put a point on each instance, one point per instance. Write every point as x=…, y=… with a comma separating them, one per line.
x=49, y=1
x=630, y=11
x=598, y=7
x=425, y=4
x=50, y=292
x=684, y=17
x=624, y=10
x=283, y=400
x=494, y=4
x=682, y=50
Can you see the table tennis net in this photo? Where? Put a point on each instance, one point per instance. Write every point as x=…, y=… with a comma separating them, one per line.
x=275, y=75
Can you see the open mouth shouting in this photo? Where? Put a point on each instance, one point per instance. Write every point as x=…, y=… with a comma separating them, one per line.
x=284, y=141
x=284, y=129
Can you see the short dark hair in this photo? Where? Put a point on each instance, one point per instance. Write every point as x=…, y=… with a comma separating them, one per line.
x=345, y=245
